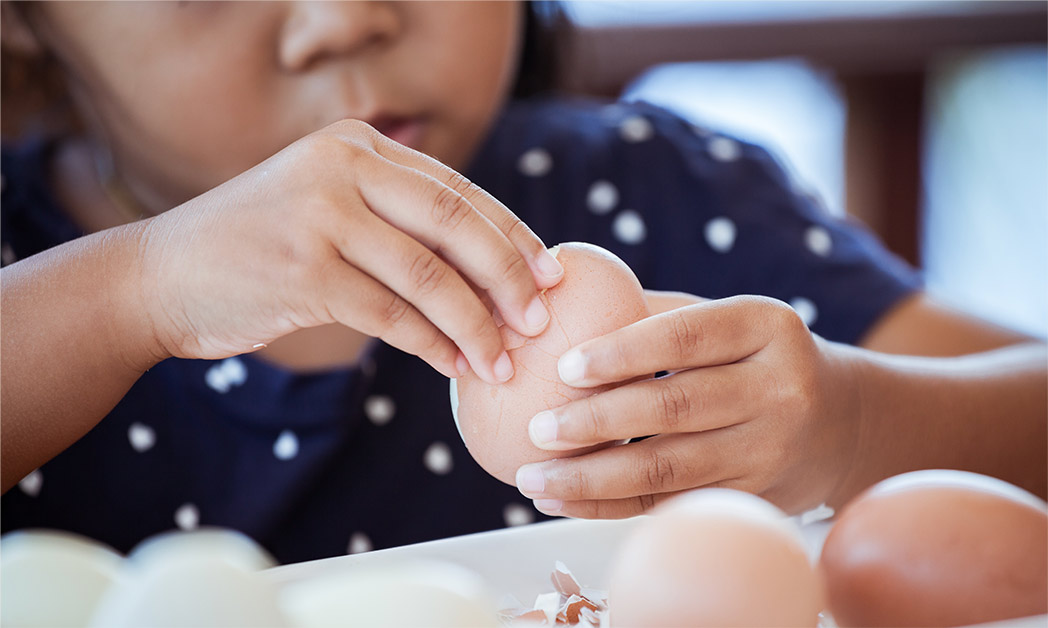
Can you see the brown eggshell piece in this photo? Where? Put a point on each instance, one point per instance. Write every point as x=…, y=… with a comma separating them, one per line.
x=936, y=556
x=598, y=294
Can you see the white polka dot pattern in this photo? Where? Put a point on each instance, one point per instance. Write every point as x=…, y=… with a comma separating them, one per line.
x=438, y=458
x=720, y=234
x=818, y=241
x=535, y=162
x=629, y=227
x=724, y=149
x=226, y=374
x=359, y=543
x=517, y=515
x=636, y=129
x=32, y=483
x=187, y=517
x=141, y=436
x=379, y=409
x=286, y=445
x=602, y=197
x=805, y=309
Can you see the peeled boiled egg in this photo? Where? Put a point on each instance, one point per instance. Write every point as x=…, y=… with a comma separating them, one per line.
x=938, y=548
x=418, y=592
x=53, y=578
x=714, y=557
x=598, y=294
x=199, y=578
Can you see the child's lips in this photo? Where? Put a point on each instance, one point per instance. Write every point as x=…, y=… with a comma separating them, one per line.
x=406, y=131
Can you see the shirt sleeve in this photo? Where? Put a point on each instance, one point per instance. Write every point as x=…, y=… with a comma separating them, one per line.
x=737, y=225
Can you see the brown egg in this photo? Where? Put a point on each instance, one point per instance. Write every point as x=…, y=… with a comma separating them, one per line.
x=938, y=548
x=598, y=294
x=714, y=557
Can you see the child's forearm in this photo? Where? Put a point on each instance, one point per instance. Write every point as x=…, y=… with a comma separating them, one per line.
x=985, y=412
x=74, y=341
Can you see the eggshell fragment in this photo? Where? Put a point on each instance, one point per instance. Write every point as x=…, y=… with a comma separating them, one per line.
x=598, y=294
x=569, y=605
x=714, y=557
x=938, y=548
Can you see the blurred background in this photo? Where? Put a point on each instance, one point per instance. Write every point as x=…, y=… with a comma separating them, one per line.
x=926, y=120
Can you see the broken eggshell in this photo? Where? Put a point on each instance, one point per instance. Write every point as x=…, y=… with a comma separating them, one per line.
x=598, y=294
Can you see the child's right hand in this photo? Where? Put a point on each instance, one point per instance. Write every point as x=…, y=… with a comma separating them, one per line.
x=345, y=226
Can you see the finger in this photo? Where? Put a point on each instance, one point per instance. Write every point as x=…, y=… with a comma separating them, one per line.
x=356, y=300
x=660, y=301
x=705, y=334
x=432, y=287
x=545, y=268
x=694, y=400
x=603, y=508
x=661, y=464
x=439, y=217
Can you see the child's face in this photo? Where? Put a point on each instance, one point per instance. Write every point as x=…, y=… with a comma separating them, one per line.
x=190, y=94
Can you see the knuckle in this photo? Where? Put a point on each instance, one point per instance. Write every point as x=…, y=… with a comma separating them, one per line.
x=577, y=483
x=426, y=273
x=325, y=147
x=434, y=344
x=518, y=231
x=687, y=332
x=794, y=390
x=599, y=509
x=459, y=183
x=783, y=315
x=514, y=267
x=449, y=208
x=660, y=471
x=673, y=405
x=356, y=128
x=618, y=356
x=595, y=421
x=393, y=313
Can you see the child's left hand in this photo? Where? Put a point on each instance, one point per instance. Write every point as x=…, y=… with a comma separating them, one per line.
x=754, y=402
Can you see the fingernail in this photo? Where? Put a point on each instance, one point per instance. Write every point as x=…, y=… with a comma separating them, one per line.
x=503, y=368
x=543, y=428
x=549, y=505
x=536, y=315
x=462, y=364
x=548, y=265
x=572, y=367
x=530, y=480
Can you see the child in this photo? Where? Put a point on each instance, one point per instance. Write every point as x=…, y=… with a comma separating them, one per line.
x=194, y=281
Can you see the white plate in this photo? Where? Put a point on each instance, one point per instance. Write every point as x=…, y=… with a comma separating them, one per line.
x=518, y=561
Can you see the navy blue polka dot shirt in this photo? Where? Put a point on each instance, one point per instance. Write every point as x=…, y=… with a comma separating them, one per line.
x=317, y=465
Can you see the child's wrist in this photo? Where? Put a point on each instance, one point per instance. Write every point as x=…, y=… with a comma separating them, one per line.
x=134, y=332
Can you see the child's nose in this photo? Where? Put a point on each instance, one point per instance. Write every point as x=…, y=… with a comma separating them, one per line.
x=315, y=30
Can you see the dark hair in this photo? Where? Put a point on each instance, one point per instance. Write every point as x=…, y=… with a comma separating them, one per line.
x=33, y=93
x=545, y=24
